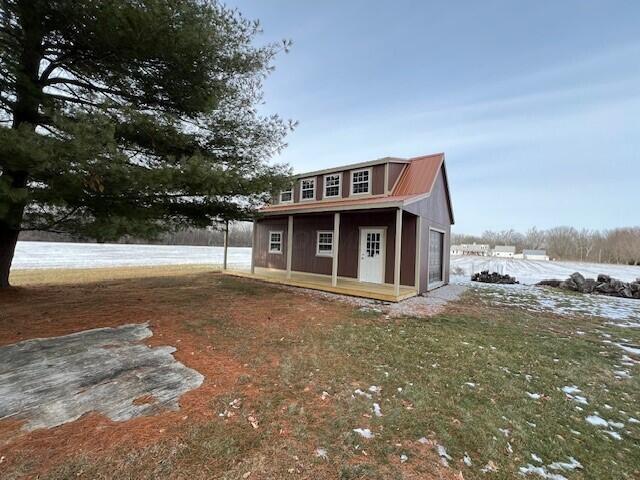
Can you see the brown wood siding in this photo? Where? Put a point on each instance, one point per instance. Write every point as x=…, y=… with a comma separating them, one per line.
x=408, y=251
x=303, y=256
x=319, y=187
x=435, y=213
x=395, y=169
x=296, y=192
x=346, y=183
x=377, y=180
x=305, y=228
x=261, y=255
x=348, y=253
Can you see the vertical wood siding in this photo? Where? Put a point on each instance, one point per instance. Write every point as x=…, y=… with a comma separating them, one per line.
x=261, y=255
x=377, y=179
x=305, y=228
x=435, y=213
x=346, y=183
x=395, y=169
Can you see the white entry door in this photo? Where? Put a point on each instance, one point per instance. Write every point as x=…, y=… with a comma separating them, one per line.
x=372, y=255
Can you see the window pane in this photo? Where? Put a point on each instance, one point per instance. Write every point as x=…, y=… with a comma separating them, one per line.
x=286, y=196
x=332, y=185
x=360, y=182
x=308, y=188
x=436, y=243
x=275, y=242
x=325, y=242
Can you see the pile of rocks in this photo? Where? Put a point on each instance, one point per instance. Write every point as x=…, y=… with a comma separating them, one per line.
x=494, y=277
x=603, y=285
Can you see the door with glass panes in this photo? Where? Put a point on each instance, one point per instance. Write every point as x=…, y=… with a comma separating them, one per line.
x=372, y=255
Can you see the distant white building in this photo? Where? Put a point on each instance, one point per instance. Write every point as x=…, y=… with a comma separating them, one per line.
x=504, y=251
x=479, y=249
x=535, y=255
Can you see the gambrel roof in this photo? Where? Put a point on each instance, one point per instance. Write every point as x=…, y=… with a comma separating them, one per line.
x=418, y=177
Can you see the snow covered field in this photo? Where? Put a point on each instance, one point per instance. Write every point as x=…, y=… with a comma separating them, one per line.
x=87, y=255
x=90, y=255
x=531, y=271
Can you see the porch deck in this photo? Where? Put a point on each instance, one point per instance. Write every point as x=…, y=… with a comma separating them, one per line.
x=345, y=286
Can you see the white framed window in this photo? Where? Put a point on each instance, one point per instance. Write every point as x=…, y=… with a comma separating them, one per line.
x=275, y=242
x=332, y=185
x=324, y=243
x=286, y=196
x=307, y=189
x=361, y=182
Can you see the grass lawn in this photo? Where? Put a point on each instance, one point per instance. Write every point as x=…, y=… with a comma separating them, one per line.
x=290, y=375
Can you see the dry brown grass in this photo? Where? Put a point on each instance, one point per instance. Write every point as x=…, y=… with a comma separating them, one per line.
x=60, y=276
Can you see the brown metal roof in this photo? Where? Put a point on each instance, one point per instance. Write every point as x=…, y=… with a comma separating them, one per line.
x=417, y=179
x=419, y=176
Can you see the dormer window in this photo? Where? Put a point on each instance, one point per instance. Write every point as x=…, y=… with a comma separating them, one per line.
x=332, y=185
x=361, y=182
x=286, y=196
x=307, y=189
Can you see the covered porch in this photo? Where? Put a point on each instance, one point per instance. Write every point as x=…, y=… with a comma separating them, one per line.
x=372, y=253
x=343, y=286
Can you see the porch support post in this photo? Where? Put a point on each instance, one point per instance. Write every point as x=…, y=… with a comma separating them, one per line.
x=398, y=253
x=418, y=252
x=253, y=247
x=336, y=243
x=226, y=244
x=289, y=245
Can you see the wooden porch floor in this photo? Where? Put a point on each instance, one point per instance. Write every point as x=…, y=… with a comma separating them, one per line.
x=345, y=286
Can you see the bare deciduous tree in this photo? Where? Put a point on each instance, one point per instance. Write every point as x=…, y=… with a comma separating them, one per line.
x=620, y=245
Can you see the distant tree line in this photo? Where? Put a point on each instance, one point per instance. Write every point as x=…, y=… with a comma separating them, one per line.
x=240, y=235
x=619, y=245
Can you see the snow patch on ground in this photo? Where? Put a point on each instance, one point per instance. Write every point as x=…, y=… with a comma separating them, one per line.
x=322, y=453
x=621, y=312
x=363, y=432
x=444, y=456
x=597, y=421
x=543, y=471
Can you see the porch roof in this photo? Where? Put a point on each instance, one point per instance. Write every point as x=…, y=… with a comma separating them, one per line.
x=381, y=201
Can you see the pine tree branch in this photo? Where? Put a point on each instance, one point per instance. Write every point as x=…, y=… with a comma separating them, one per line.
x=79, y=101
x=81, y=84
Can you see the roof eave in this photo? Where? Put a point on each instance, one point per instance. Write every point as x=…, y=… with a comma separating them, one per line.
x=334, y=208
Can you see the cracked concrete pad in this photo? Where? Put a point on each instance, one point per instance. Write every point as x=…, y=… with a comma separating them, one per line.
x=50, y=381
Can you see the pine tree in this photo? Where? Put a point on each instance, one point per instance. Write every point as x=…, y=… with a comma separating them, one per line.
x=130, y=117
